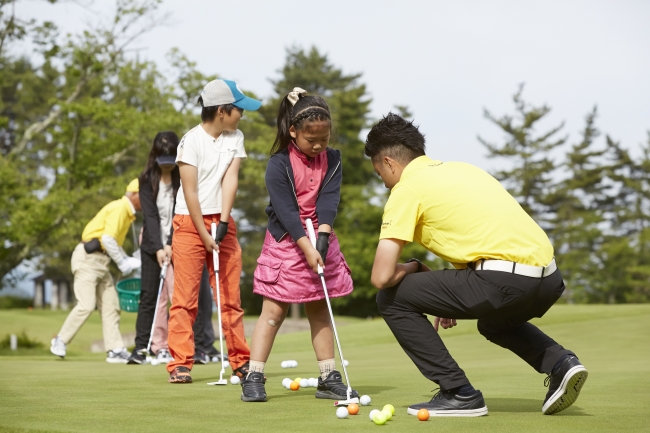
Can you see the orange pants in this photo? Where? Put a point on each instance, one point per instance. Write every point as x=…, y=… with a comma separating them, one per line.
x=188, y=256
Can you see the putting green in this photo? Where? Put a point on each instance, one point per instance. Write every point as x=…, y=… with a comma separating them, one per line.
x=39, y=392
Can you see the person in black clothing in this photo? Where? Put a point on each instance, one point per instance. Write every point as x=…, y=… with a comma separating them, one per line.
x=159, y=183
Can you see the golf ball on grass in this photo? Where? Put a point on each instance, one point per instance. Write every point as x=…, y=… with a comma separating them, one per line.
x=423, y=415
x=379, y=418
x=353, y=409
x=372, y=413
x=387, y=414
x=342, y=412
x=391, y=408
x=295, y=386
x=304, y=383
x=365, y=400
x=345, y=363
x=286, y=382
x=235, y=380
x=313, y=382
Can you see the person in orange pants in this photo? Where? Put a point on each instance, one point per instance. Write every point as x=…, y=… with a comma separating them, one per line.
x=208, y=157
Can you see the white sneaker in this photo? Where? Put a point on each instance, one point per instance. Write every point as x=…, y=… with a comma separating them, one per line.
x=162, y=357
x=118, y=356
x=58, y=347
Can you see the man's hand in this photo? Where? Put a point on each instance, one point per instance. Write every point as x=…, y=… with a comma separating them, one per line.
x=222, y=230
x=161, y=256
x=446, y=323
x=209, y=243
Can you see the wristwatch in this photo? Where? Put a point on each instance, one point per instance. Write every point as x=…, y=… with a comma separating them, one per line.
x=419, y=263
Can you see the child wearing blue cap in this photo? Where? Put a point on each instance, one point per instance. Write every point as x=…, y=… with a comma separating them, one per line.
x=208, y=157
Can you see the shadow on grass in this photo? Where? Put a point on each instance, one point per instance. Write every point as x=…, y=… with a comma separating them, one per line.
x=512, y=405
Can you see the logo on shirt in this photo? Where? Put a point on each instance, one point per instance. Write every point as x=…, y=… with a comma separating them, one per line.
x=386, y=224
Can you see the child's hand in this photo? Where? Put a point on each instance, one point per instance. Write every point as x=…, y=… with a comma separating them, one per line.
x=314, y=259
x=209, y=243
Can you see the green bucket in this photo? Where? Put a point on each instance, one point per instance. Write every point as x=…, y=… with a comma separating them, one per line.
x=129, y=293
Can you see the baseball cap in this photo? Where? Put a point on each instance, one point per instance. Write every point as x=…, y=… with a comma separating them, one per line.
x=134, y=186
x=166, y=160
x=221, y=92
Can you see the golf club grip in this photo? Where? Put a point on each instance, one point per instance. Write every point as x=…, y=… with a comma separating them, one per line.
x=312, y=238
x=215, y=258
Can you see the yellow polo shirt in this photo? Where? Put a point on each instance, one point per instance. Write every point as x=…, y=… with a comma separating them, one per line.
x=462, y=214
x=113, y=220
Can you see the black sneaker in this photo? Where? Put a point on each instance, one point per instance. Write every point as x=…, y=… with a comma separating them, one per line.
x=138, y=357
x=201, y=358
x=252, y=387
x=447, y=403
x=564, y=385
x=333, y=387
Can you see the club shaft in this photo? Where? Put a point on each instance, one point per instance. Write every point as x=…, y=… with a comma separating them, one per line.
x=163, y=273
x=215, y=259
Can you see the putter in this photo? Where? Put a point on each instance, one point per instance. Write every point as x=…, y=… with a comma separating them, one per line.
x=348, y=401
x=163, y=274
x=215, y=259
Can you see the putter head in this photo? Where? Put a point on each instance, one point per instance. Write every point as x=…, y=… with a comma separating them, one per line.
x=219, y=382
x=347, y=402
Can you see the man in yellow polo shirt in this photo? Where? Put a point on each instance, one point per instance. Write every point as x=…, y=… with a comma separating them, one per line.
x=101, y=241
x=504, y=272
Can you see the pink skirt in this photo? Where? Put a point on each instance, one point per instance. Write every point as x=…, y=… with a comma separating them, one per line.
x=283, y=274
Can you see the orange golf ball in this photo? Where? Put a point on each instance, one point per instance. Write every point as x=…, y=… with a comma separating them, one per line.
x=423, y=414
x=295, y=386
x=353, y=409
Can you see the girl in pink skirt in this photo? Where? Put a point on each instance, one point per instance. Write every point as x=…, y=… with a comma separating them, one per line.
x=303, y=178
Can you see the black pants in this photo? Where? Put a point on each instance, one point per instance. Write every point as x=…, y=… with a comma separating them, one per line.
x=149, y=284
x=203, y=330
x=502, y=302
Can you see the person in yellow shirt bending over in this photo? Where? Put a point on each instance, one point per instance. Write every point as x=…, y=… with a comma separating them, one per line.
x=101, y=241
x=504, y=271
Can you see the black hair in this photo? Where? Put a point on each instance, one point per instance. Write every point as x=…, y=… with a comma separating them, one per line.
x=308, y=109
x=209, y=113
x=165, y=143
x=396, y=137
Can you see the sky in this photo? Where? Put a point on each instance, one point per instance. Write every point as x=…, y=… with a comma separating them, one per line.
x=447, y=61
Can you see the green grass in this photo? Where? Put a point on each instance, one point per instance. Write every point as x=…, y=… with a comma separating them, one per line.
x=83, y=393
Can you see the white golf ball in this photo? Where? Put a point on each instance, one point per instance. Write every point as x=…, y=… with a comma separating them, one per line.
x=283, y=364
x=304, y=383
x=345, y=363
x=294, y=364
x=226, y=364
x=342, y=412
x=286, y=382
x=365, y=400
x=313, y=382
x=372, y=413
x=234, y=380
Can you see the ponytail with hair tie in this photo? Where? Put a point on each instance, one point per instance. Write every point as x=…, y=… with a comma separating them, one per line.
x=295, y=108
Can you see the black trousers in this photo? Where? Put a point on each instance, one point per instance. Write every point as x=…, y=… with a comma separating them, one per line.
x=203, y=330
x=149, y=285
x=502, y=302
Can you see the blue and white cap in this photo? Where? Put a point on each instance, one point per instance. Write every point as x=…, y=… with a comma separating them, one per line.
x=221, y=92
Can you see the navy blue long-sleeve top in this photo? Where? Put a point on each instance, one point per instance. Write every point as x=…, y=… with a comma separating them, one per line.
x=283, y=210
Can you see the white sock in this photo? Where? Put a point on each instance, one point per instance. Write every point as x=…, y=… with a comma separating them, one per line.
x=256, y=366
x=326, y=367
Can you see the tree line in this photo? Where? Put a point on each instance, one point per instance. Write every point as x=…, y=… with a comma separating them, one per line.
x=78, y=114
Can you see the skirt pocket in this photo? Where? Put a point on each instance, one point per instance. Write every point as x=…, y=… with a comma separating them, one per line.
x=268, y=269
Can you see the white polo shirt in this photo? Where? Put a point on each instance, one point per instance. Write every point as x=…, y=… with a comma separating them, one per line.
x=212, y=157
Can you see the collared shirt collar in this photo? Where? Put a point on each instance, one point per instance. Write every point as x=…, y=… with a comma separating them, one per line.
x=130, y=205
x=412, y=166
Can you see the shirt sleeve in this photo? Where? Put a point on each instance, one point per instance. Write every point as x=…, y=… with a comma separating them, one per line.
x=117, y=223
x=240, y=152
x=187, y=151
x=401, y=214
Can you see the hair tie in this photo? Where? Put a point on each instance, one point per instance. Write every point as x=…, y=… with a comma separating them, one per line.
x=295, y=95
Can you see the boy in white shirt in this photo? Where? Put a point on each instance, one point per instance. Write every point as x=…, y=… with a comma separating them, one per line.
x=209, y=156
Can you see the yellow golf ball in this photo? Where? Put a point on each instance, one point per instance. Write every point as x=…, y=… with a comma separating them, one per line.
x=379, y=418
x=387, y=413
x=390, y=407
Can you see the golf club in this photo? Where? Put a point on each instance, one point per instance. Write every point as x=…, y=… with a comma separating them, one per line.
x=163, y=274
x=215, y=259
x=348, y=401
